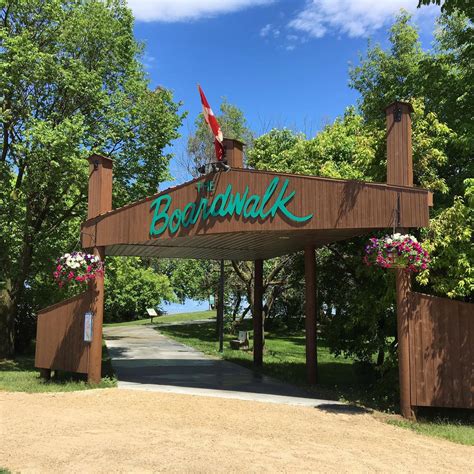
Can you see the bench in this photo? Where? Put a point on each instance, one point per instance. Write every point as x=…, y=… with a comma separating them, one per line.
x=242, y=342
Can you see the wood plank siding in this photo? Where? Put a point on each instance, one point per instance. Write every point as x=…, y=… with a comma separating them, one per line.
x=441, y=352
x=341, y=209
x=60, y=335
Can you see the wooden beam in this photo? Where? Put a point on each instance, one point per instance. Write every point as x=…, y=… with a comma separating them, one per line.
x=257, y=314
x=311, y=311
x=94, y=374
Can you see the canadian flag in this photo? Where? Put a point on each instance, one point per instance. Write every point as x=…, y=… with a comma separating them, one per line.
x=211, y=120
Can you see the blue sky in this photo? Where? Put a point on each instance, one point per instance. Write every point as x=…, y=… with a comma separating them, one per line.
x=283, y=62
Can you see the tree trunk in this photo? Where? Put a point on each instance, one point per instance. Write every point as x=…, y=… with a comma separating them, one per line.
x=17, y=293
x=380, y=357
x=7, y=321
x=236, y=306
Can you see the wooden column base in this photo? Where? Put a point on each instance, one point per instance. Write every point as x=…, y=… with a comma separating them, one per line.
x=45, y=374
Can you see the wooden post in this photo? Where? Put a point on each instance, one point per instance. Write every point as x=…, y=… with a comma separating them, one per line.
x=94, y=374
x=257, y=314
x=311, y=311
x=399, y=149
x=403, y=282
x=400, y=172
x=234, y=153
x=99, y=202
x=220, y=309
x=100, y=186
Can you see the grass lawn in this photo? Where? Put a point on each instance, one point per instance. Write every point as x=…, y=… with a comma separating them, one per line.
x=20, y=375
x=171, y=318
x=458, y=432
x=340, y=378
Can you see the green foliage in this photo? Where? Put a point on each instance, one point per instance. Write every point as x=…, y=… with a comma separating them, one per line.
x=201, y=142
x=131, y=288
x=274, y=151
x=345, y=149
x=195, y=279
x=387, y=75
x=449, y=241
x=452, y=6
x=71, y=83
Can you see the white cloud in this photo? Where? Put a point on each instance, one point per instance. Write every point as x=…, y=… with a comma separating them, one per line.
x=355, y=18
x=183, y=10
x=269, y=30
x=265, y=30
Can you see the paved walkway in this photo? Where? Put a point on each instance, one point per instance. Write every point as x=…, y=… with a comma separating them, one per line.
x=144, y=359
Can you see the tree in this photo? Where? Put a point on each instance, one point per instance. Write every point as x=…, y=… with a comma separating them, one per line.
x=72, y=84
x=201, y=143
x=451, y=6
x=449, y=241
x=132, y=287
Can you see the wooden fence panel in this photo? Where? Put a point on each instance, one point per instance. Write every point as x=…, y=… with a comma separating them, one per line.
x=60, y=335
x=441, y=352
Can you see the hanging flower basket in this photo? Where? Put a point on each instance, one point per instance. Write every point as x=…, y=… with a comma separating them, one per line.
x=77, y=268
x=397, y=251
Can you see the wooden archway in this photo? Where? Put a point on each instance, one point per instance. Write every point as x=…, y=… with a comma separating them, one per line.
x=246, y=214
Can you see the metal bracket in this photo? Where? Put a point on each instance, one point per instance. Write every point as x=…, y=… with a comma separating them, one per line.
x=397, y=114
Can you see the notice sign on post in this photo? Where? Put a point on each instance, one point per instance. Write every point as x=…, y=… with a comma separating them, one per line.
x=88, y=319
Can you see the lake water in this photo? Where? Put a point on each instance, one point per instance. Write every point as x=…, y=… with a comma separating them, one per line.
x=188, y=306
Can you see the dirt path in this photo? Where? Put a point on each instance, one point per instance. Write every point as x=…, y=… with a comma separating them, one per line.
x=133, y=431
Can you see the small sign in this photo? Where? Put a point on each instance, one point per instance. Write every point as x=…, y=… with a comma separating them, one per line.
x=88, y=320
x=151, y=312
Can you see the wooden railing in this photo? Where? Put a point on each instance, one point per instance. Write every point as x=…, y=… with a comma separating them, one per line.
x=441, y=352
x=60, y=335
